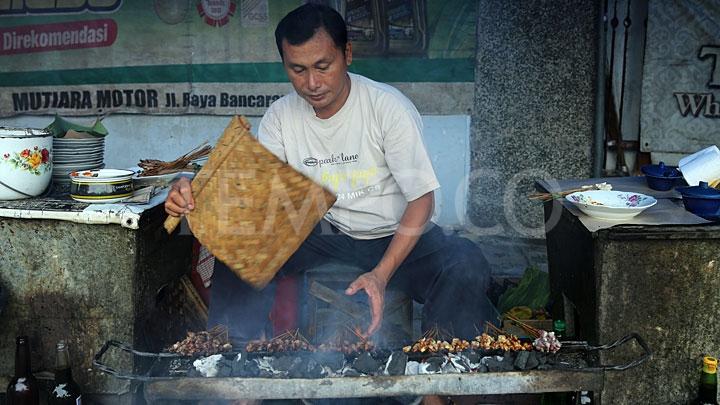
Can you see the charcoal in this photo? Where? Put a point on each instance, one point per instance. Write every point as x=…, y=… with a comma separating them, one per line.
x=313, y=369
x=250, y=369
x=412, y=368
x=459, y=363
x=194, y=373
x=434, y=363
x=481, y=369
x=238, y=369
x=545, y=367
x=349, y=372
x=333, y=360
x=366, y=364
x=283, y=363
x=224, y=371
x=521, y=360
x=449, y=368
x=532, y=361
x=541, y=357
x=238, y=366
x=297, y=368
x=495, y=364
x=472, y=356
x=382, y=355
x=396, y=363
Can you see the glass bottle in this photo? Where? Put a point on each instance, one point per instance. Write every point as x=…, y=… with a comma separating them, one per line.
x=64, y=390
x=559, y=328
x=707, y=392
x=23, y=388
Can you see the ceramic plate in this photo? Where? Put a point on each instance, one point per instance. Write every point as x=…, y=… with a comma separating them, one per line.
x=611, y=205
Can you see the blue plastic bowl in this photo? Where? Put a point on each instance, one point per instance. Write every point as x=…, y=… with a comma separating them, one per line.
x=702, y=200
x=660, y=177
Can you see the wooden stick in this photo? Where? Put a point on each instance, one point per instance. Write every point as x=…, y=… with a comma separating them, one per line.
x=535, y=332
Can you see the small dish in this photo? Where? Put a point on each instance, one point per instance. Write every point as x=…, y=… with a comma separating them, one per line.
x=611, y=205
x=661, y=177
x=101, y=186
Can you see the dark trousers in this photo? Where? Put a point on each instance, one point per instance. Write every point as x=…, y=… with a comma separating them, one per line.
x=448, y=274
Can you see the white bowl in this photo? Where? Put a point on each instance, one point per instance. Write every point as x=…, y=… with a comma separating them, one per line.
x=611, y=205
x=25, y=162
x=101, y=186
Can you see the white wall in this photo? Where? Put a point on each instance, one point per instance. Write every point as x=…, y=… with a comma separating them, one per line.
x=135, y=137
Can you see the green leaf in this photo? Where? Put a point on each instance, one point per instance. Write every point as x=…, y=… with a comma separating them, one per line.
x=532, y=291
x=60, y=126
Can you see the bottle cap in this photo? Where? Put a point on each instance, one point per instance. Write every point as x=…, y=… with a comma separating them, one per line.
x=710, y=364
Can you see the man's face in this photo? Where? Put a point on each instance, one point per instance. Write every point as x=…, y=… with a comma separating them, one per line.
x=317, y=70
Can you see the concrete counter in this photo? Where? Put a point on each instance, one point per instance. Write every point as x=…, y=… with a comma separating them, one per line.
x=661, y=281
x=88, y=283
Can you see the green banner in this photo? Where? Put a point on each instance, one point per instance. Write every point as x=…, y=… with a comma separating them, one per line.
x=215, y=56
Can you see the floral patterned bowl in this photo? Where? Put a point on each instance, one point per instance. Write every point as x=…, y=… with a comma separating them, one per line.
x=611, y=205
x=25, y=162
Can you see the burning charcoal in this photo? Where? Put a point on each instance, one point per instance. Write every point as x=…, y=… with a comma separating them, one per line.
x=194, y=373
x=459, y=363
x=298, y=368
x=283, y=363
x=532, y=361
x=250, y=369
x=412, y=368
x=224, y=369
x=449, y=368
x=265, y=366
x=471, y=356
x=497, y=363
x=493, y=364
x=307, y=368
x=521, y=360
x=434, y=364
x=333, y=360
x=238, y=365
x=176, y=367
x=350, y=372
x=365, y=364
x=545, y=367
x=208, y=366
x=237, y=369
x=509, y=361
x=266, y=373
x=396, y=363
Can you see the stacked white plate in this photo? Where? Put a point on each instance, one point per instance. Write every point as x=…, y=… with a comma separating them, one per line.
x=71, y=155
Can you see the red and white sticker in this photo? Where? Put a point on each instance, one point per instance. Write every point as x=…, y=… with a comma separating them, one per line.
x=216, y=12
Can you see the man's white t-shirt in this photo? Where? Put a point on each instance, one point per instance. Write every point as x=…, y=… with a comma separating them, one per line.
x=370, y=153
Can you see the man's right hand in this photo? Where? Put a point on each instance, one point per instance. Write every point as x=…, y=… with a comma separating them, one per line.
x=180, y=200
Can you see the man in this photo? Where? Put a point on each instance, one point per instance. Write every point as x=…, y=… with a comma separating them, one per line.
x=362, y=140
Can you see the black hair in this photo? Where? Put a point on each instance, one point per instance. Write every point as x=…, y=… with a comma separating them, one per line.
x=299, y=25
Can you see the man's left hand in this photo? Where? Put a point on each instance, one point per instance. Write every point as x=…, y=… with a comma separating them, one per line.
x=374, y=286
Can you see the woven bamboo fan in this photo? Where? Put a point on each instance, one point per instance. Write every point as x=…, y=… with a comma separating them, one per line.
x=252, y=211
